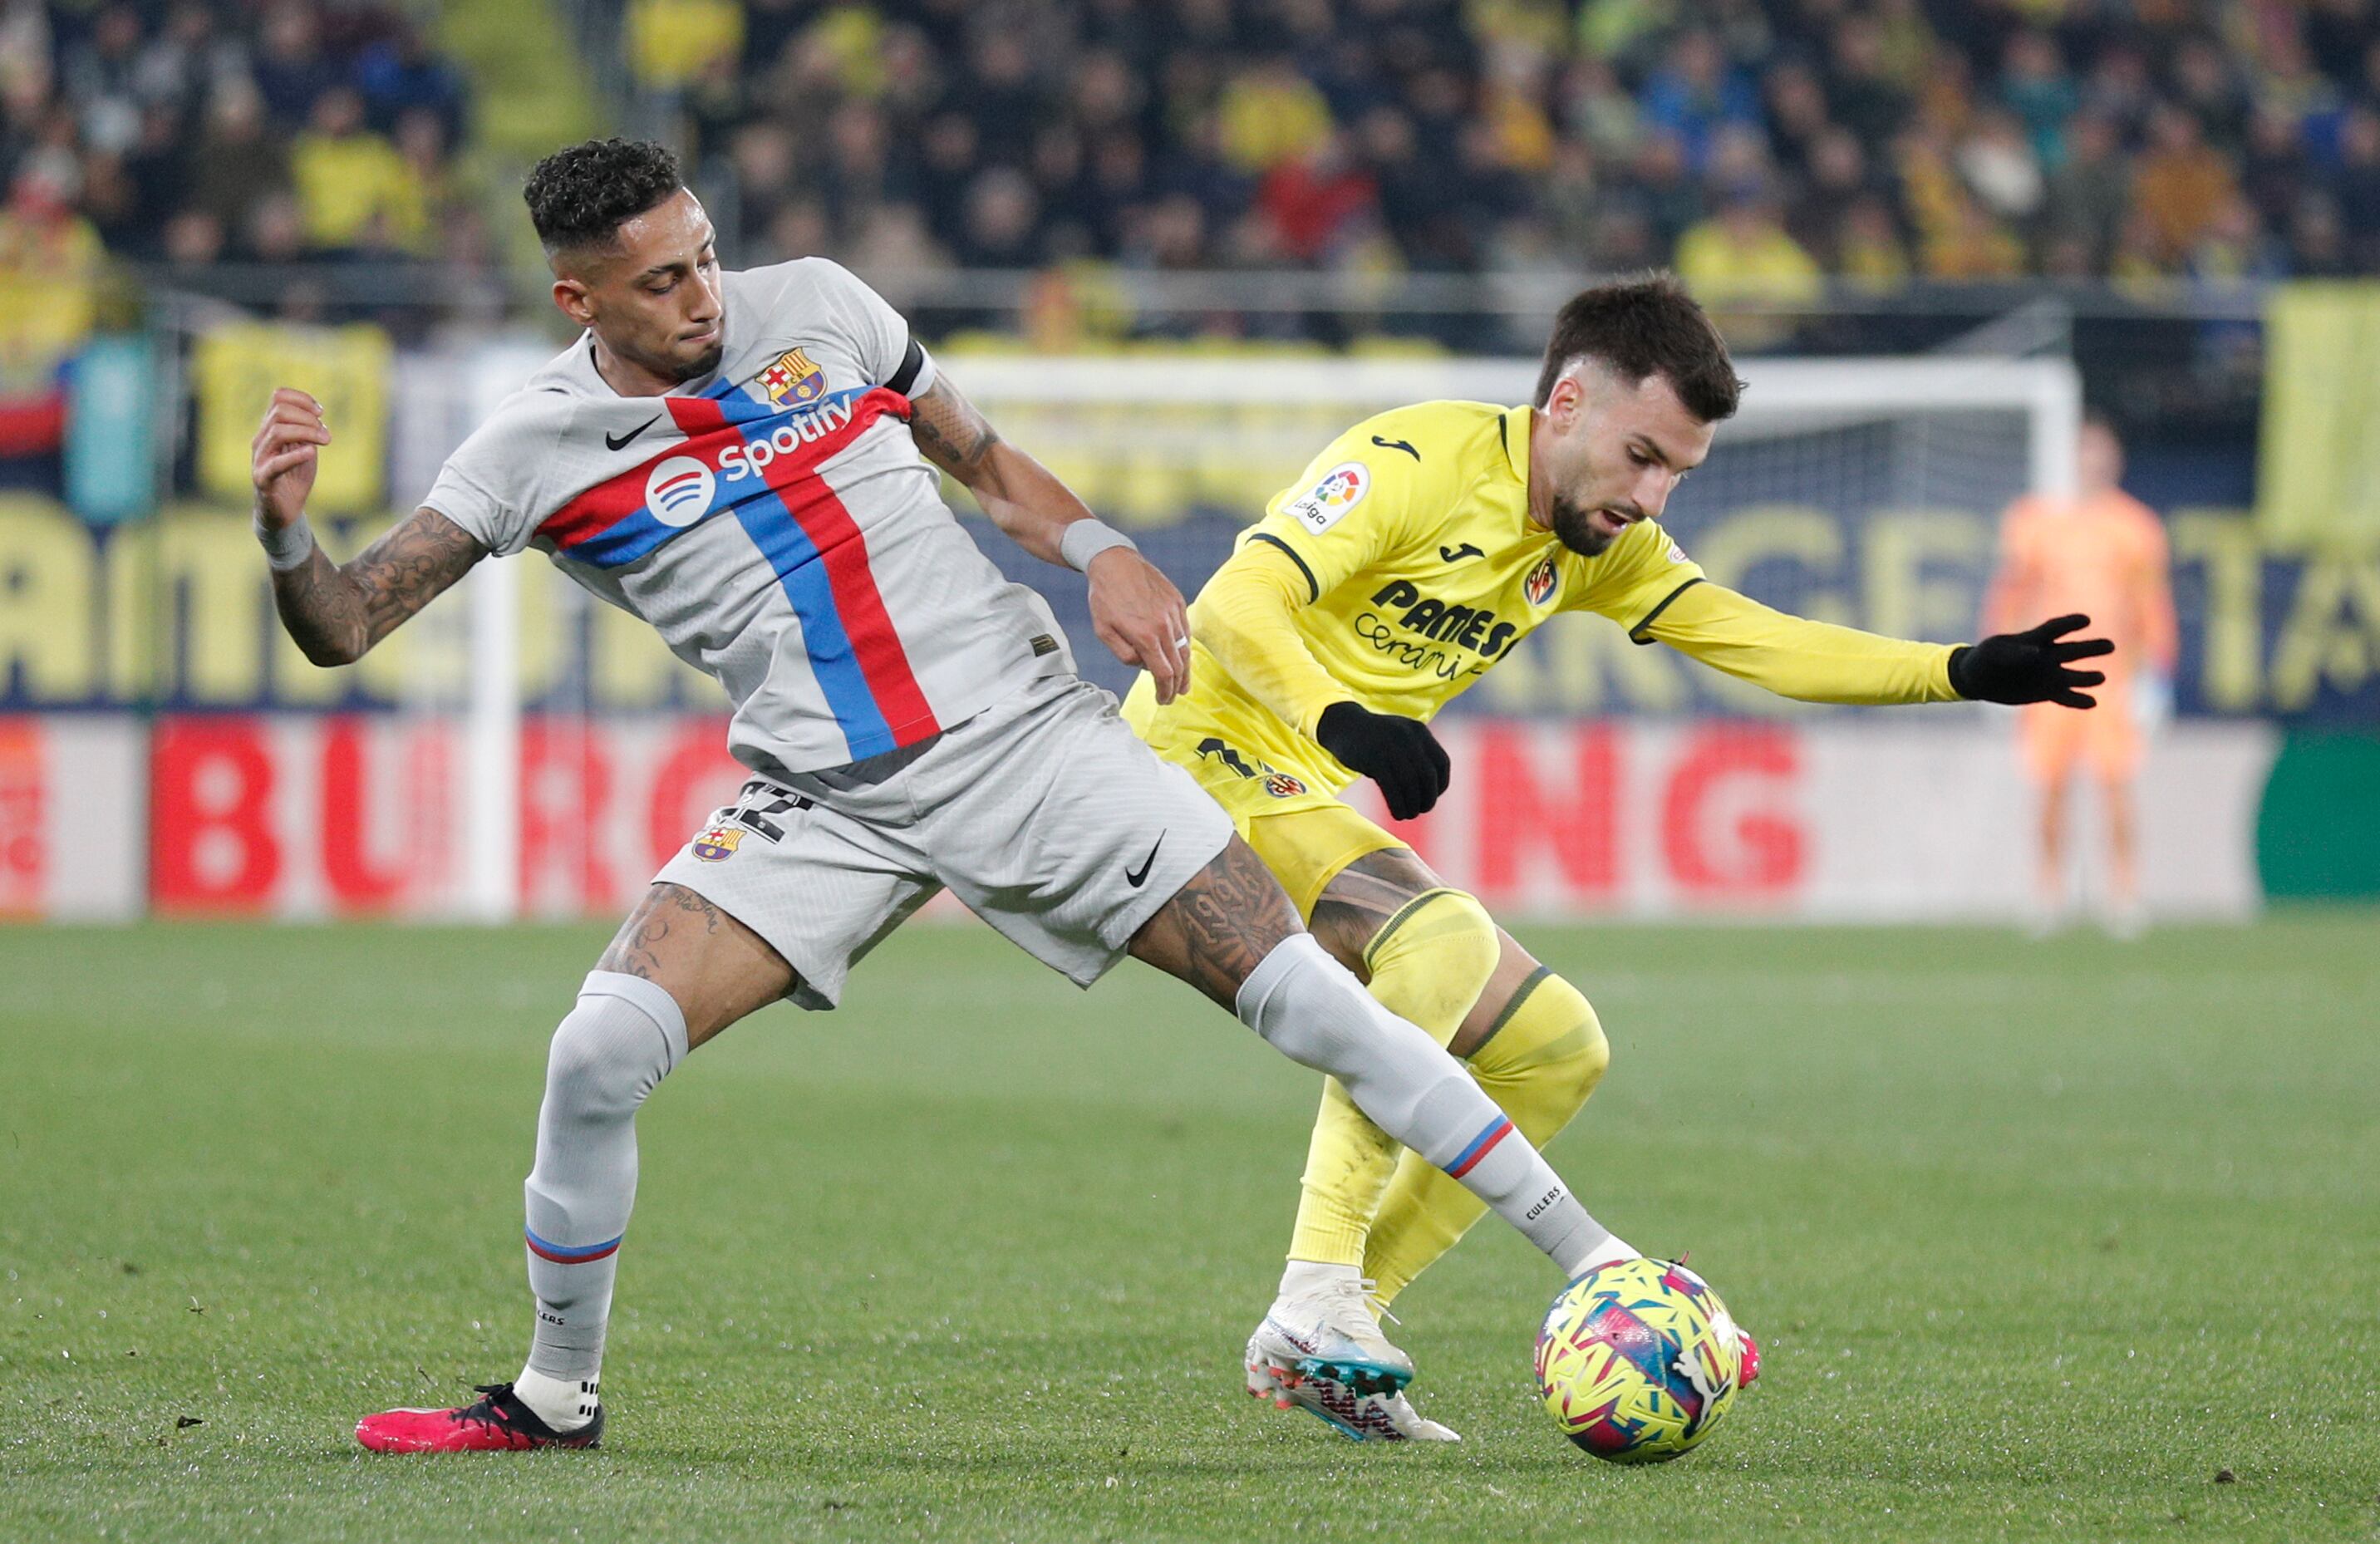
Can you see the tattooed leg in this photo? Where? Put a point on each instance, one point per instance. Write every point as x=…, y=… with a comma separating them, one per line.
x=1219, y=926
x=714, y=968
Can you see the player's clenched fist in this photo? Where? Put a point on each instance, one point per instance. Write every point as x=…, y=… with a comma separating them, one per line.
x=1400, y=754
x=281, y=458
x=1138, y=612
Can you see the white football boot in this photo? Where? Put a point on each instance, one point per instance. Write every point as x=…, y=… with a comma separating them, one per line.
x=1320, y=1350
x=1362, y=1417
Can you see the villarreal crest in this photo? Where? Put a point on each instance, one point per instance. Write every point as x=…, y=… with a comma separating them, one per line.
x=1539, y=588
x=718, y=843
x=793, y=379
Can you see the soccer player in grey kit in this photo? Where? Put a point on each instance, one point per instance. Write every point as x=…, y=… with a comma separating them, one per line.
x=747, y=461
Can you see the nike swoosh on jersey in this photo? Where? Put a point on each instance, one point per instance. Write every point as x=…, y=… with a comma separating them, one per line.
x=1405, y=445
x=1138, y=877
x=622, y=442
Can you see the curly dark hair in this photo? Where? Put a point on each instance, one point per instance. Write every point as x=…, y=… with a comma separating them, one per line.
x=1641, y=327
x=578, y=195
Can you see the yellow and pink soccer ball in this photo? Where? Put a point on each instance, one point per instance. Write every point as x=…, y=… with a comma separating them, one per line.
x=1638, y=1361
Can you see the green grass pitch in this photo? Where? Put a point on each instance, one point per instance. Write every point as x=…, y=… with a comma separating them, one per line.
x=2038, y=1238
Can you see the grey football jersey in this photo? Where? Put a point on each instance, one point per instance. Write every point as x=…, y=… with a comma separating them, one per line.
x=774, y=522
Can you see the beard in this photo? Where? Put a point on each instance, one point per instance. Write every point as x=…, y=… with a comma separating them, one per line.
x=695, y=369
x=1573, y=530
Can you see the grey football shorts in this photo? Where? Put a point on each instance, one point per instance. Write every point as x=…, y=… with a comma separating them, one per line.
x=1044, y=813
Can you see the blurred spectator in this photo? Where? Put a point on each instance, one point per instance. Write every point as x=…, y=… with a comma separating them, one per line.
x=1696, y=93
x=2182, y=182
x=1869, y=253
x=292, y=71
x=352, y=189
x=1860, y=90
x=1742, y=256
x=50, y=260
x=236, y=161
x=1001, y=214
x=670, y=41
x=399, y=74
x=2356, y=189
x=1797, y=118
x=2087, y=196
x=2274, y=167
x=1314, y=200
x=2035, y=85
x=1271, y=116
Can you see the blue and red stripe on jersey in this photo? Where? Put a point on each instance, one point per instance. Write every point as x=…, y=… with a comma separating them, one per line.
x=1479, y=1147
x=801, y=528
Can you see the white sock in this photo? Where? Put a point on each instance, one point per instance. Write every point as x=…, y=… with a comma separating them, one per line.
x=1613, y=1250
x=561, y=1403
x=622, y=1038
x=1312, y=1009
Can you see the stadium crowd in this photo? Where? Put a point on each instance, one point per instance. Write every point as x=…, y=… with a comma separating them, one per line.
x=194, y=133
x=1756, y=145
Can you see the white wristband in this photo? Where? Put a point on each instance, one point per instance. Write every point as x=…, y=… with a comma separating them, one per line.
x=288, y=547
x=1084, y=540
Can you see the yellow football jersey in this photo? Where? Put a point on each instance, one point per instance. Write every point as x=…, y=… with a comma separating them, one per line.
x=1413, y=532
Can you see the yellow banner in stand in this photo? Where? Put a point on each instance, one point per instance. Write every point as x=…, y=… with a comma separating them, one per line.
x=234, y=373
x=2318, y=473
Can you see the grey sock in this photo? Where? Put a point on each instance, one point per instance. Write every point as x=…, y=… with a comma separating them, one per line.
x=1312, y=1009
x=622, y=1038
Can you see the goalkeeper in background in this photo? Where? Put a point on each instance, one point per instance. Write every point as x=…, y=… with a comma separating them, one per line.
x=1413, y=553
x=2103, y=551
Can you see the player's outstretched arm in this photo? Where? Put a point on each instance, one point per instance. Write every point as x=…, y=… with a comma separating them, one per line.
x=338, y=612
x=1135, y=610
x=1817, y=661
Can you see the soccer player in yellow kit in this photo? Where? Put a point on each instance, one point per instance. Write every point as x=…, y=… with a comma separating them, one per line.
x=1413, y=553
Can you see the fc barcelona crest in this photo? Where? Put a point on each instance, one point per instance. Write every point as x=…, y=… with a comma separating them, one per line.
x=718, y=843
x=793, y=379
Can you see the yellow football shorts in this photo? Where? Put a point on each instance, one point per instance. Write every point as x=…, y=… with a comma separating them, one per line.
x=1304, y=835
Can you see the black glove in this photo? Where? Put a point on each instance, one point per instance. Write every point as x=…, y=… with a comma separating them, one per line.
x=2029, y=666
x=1400, y=754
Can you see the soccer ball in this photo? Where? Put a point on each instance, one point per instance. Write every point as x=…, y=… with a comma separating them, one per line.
x=1638, y=1361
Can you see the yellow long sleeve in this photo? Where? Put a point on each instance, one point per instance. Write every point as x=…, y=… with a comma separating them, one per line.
x=1242, y=618
x=1815, y=662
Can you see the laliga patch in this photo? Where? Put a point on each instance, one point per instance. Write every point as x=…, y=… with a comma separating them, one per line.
x=718, y=843
x=1340, y=489
x=1677, y=553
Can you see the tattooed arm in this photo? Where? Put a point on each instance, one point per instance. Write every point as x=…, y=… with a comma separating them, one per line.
x=1135, y=608
x=1023, y=499
x=338, y=612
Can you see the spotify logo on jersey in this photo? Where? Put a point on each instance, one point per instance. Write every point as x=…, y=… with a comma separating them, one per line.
x=678, y=491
